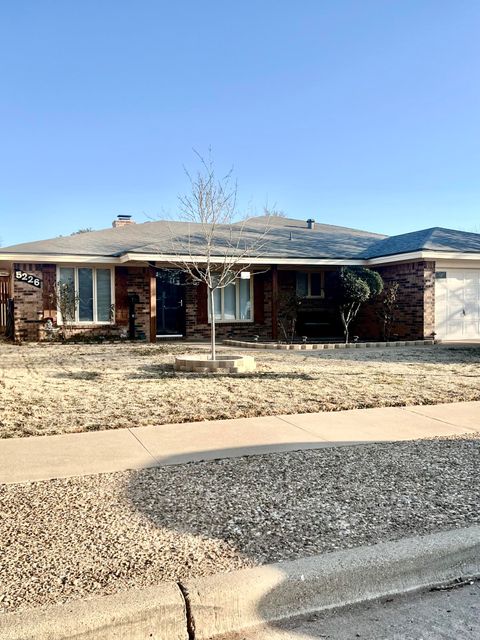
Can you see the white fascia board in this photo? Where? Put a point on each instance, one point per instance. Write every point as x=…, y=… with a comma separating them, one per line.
x=58, y=259
x=424, y=255
x=158, y=257
x=168, y=258
x=400, y=257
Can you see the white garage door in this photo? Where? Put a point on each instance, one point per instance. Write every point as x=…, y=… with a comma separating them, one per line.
x=457, y=304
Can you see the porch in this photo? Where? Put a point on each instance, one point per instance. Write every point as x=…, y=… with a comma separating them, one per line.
x=251, y=307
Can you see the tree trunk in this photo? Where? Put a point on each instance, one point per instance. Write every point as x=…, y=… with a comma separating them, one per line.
x=213, y=353
x=345, y=325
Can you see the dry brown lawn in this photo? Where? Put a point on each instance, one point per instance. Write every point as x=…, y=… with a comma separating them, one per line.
x=46, y=389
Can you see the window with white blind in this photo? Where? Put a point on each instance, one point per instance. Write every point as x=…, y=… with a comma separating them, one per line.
x=234, y=302
x=93, y=288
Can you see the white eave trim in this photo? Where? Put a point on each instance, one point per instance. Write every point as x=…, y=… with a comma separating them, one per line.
x=169, y=258
x=401, y=257
x=423, y=255
x=450, y=255
x=58, y=259
x=159, y=257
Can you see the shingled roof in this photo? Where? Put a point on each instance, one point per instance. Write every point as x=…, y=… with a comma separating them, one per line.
x=434, y=239
x=287, y=238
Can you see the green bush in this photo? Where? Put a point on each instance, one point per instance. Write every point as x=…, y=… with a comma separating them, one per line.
x=353, y=287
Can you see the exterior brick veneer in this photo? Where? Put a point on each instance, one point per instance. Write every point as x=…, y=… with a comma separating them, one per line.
x=138, y=282
x=32, y=305
x=28, y=310
x=415, y=317
x=416, y=303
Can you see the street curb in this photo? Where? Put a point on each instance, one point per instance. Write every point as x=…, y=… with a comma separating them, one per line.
x=156, y=613
x=205, y=608
x=255, y=597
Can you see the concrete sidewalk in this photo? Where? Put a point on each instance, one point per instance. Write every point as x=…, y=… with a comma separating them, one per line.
x=76, y=454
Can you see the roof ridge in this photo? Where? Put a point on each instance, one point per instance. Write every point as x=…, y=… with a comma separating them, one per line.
x=279, y=219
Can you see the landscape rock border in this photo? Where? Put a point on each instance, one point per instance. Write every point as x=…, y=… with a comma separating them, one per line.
x=230, y=363
x=206, y=608
x=325, y=345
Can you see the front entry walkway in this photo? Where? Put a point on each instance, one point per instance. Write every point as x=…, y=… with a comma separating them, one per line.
x=77, y=454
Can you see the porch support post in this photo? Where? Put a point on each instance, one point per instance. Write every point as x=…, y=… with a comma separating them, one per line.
x=153, y=305
x=274, y=302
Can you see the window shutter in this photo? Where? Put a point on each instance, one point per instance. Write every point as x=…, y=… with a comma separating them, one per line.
x=202, y=303
x=121, y=296
x=258, y=298
x=49, y=280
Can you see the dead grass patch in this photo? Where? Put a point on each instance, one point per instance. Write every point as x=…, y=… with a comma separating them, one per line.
x=46, y=389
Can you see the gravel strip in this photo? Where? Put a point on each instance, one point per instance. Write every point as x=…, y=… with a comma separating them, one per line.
x=65, y=539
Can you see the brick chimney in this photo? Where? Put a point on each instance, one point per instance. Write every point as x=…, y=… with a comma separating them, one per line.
x=122, y=221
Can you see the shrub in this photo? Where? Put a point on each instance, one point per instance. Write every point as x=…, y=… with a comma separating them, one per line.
x=353, y=287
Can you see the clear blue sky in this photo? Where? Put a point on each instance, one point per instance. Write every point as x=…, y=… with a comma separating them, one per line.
x=359, y=113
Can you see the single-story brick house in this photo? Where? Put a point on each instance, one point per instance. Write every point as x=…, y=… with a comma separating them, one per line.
x=127, y=283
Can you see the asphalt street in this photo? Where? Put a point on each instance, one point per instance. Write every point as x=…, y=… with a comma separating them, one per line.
x=448, y=614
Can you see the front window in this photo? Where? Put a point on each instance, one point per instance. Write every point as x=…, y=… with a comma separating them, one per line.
x=233, y=303
x=310, y=284
x=93, y=291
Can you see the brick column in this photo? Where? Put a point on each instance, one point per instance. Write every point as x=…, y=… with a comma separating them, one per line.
x=28, y=304
x=429, y=299
x=138, y=282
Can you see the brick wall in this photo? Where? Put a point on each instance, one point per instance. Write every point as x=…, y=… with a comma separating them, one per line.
x=416, y=305
x=429, y=299
x=138, y=282
x=416, y=302
x=28, y=303
x=33, y=305
x=415, y=317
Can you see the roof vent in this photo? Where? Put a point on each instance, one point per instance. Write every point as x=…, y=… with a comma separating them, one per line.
x=122, y=220
x=311, y=223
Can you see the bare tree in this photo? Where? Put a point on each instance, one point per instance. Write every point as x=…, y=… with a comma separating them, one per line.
x=387, y=308
x=288, y=307
x=211, y=246
x=63, y=298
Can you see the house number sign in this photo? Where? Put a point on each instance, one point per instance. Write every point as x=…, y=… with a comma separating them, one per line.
x=28, y=278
